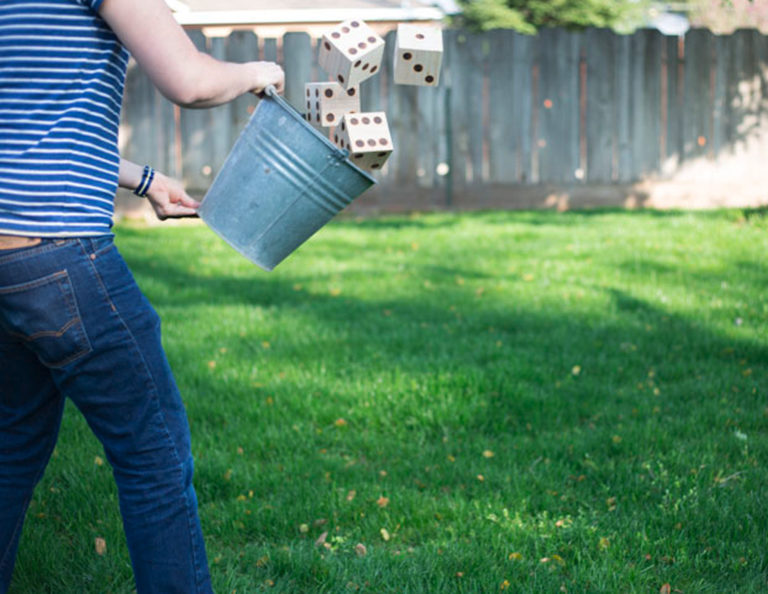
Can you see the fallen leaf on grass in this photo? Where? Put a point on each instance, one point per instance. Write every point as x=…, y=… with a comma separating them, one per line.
x=382, y=502
x=100, y=545
x=351, y=495
x=515, y=557
x=361, y=550
x=666, y=589
x=321, y=539
x=385, y=534
x=488, y=454
x=262, y=561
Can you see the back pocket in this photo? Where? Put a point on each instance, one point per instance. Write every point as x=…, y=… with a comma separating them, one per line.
x=44, y=314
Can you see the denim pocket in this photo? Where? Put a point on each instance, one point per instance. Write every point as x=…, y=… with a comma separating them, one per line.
x=44, y=314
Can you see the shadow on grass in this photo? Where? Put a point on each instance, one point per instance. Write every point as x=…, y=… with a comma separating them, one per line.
x=564, y=400
x=520, y=361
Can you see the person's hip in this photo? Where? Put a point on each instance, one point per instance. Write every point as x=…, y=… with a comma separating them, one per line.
x=15, y=242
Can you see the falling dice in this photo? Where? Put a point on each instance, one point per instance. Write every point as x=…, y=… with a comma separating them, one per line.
x=366, y=137
x=328, y=102
x=418, y=55
x=351, y=53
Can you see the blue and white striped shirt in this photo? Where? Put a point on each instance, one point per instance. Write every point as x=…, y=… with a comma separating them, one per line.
x=62, y=73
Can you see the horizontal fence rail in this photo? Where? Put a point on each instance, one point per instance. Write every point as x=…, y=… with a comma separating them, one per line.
x=517, y=121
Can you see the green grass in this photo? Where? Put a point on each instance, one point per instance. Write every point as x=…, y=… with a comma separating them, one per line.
x=523, y=401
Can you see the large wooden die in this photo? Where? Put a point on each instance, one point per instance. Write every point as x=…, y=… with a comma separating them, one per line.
x=418, y=55
x=366, y=136
x=327, y=102
x=351, y=52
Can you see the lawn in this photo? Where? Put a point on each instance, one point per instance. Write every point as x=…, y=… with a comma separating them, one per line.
x=485, y=402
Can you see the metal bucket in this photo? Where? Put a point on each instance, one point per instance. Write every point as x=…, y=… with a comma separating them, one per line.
x=281, y=182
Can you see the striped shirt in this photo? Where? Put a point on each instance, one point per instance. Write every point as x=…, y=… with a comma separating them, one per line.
x=62, y=73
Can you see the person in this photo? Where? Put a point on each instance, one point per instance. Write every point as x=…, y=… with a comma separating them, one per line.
x=73, y=323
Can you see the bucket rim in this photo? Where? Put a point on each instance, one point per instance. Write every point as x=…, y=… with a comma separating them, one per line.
x=271, y=93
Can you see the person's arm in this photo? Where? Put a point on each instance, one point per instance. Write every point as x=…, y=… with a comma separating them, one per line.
x=166, y=195
x=182, y=73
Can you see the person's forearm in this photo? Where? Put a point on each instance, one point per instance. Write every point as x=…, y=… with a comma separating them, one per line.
x=129, y=176
x=182, y=73
x=212, y=82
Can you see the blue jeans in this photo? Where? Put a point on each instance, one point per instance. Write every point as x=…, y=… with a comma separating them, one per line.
x=74, y=324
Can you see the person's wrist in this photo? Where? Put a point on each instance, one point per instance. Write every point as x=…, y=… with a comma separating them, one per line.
x=147, y=177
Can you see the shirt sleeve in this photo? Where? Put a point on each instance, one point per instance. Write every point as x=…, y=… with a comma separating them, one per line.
x=92, y=4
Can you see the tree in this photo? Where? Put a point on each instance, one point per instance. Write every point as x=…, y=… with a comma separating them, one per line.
x=527, y=16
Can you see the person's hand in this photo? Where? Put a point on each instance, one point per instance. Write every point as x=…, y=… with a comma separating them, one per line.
x=265, y=74
x=169, y=200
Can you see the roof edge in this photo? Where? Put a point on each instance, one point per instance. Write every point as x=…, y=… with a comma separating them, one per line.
x=311, y=16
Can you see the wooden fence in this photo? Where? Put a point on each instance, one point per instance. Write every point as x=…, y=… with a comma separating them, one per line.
x=559, y=119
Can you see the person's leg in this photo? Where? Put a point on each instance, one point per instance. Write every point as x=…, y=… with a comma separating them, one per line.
x=124, y=387
x=30, y=416
x=36, y=321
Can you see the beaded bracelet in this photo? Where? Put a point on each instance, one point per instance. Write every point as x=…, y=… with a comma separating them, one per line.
x=146, y=181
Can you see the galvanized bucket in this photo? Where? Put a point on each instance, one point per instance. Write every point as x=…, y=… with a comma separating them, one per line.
x=281, y=182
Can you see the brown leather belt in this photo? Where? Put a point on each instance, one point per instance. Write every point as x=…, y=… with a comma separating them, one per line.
x=13, y=242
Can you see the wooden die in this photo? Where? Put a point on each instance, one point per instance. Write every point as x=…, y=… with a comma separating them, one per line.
x=366, y=136
x=351, y=52
x=418, y=55
x=327, y=102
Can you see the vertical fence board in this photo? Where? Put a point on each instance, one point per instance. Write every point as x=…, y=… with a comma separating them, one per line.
x=674, y=129
x=270, y=50
x=502, y=149
x=439, y=146
x=720, y=116
x=624, y=105
x=762, y=66
x=558, y=105
x=297, y=56
x=425, y=127
x=243, y=46
x=522, y=105
x=197, y=153
x=601, y=104
x=142, y=109
x=698, y=105
x=220, y=133
x=466, y=62
x=648, y=115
